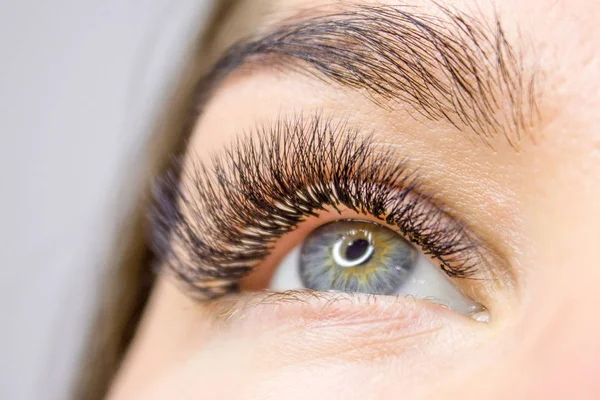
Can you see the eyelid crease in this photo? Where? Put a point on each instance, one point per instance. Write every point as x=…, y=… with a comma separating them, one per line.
x=213, y=227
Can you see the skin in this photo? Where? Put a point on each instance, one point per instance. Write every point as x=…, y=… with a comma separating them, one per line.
x=537, y=206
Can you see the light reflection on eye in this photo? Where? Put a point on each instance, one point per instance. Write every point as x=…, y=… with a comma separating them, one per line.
x=366, y=257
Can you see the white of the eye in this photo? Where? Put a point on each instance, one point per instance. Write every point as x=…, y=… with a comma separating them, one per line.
x=344, y=262
x=426, y=281
x=287, y=274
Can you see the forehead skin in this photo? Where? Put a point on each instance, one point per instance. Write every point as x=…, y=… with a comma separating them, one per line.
x=543, y=204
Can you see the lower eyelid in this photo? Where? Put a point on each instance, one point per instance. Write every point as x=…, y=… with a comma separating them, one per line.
x=304, y=327
x=308, y=309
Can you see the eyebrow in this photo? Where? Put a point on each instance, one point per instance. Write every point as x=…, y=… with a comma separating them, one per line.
x=451, y=66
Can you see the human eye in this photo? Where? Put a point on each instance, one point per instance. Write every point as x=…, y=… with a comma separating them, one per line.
x=309, y=203
x=361, y=256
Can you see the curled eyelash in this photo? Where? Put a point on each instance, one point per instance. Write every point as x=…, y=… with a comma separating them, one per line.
x=213, y=222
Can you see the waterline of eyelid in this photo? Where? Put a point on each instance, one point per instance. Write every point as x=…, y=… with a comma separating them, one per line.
x=299, y=304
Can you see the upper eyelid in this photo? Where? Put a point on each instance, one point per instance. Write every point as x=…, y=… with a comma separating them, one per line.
x=185, y=235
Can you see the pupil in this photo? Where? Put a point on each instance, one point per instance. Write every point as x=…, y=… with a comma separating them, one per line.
x=356, y=249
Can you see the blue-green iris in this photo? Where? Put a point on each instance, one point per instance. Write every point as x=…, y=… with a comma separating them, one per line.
x=356, y=256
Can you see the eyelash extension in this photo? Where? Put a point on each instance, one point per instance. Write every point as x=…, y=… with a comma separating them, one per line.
x=212, y=223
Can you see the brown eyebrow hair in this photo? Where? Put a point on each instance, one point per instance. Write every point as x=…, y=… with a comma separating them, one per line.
x=452, y=66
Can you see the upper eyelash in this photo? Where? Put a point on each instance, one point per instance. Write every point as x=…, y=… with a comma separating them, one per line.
x=213, y=223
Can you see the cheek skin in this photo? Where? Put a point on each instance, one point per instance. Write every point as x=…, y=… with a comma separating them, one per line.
x=268, y=346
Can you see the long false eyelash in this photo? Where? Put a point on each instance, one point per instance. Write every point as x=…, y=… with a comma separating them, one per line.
x=214, y=222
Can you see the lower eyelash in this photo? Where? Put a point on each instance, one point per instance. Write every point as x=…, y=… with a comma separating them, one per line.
x=211, y=227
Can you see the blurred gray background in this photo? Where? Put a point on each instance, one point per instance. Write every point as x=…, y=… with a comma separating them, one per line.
x=81, y=82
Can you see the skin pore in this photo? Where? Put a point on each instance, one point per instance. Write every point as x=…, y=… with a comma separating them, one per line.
x=496, y=109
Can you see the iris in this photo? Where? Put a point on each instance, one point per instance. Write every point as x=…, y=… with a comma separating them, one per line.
x=356, y=256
